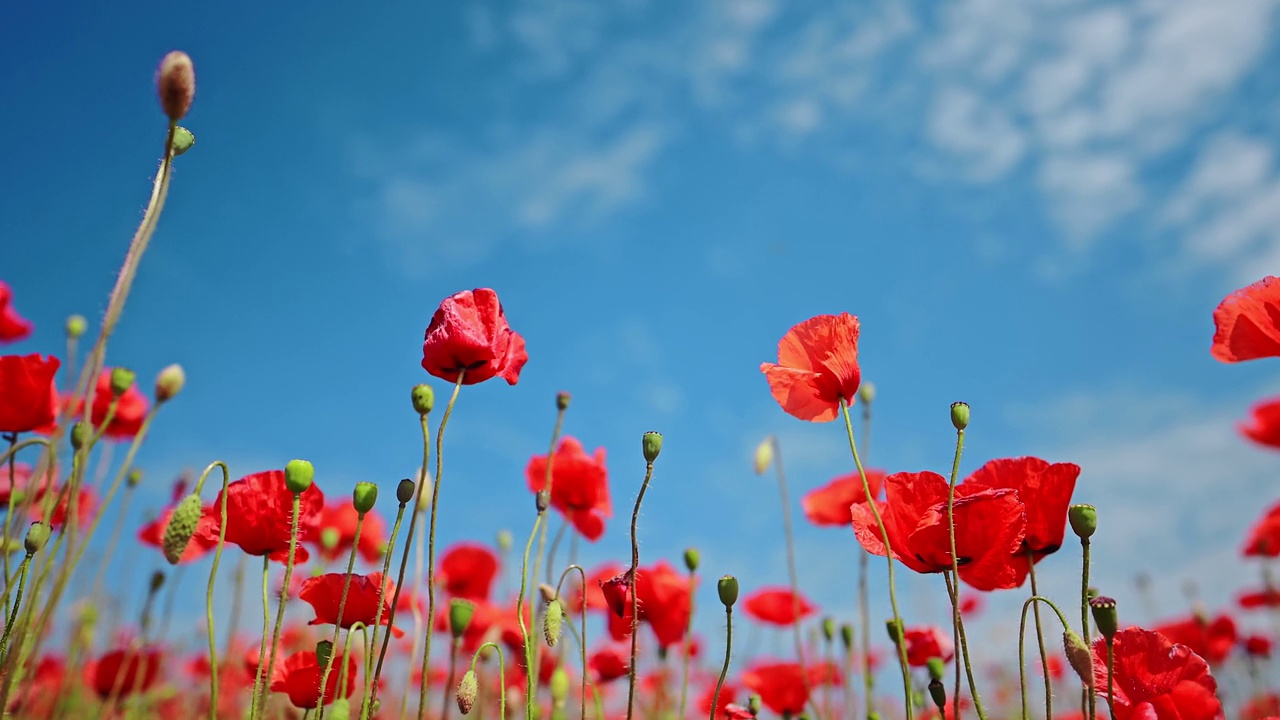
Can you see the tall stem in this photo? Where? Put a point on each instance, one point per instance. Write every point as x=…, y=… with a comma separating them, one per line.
x=792, y=574
x=342, y=607
x=213, y=575
x=1091, y=707
x=728, y=653
x=284, y=598
x=370, y=685
x=1044, y=656
x=953, y=590
x=631, y=588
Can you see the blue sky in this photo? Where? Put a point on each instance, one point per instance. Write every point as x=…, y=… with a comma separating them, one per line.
x=1032, y=206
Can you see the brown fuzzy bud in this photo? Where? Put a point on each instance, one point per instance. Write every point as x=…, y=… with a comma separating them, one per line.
x=1079, y=656
x=169, y=382
x=182, y=525
x=176, y=84
x=468, y=689
x=547, y=592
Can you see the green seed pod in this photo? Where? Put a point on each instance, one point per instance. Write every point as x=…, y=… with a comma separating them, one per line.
x=691, y=559
x=182, y=525
x=121, y=380
x=1105, y=616
x=960, y=415
x=80, y=434
x=938, y=692
x=364, y=497
x=764, y=455
x=867, y=392
x=728, y=589
x=76, y=325
x=404, y=491
x=460, y=614
x=468, y=689
x=846, y=636
x=37, y=536
x=504, y=540
x=169, y=382
x=183, y=140
x=134, y=477
x=828, y=629
x=1084, y=520
x=424, y=398
x=329, y=538
x=298, y=475
x=551, y=623
x=894, y=628
x=562, y=400
x=651, y=444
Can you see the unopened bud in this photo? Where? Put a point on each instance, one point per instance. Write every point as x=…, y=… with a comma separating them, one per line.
x=324, y=652
x=936, y=668
x=1084, y=520
x=727, y=587
x=691, y=559
x=460, y=614
x=329, y=538
x=182, y=525
x=169, y=382
x=764, y=455
x=828, y=629
x=424, y=398
x=298, y=475
x=551, y=623
x=753, y=705
x=559, y=686
x=867, y=392
x=157, y=581
x=79, y=434
x=651, y=444
x=562, y=400
x=504, y=540
x=468, y=688
x=424, y=497
x=183, y=140
x=547, y=592
x=37, y=536
x=894, y=628
x=121, y=380
x=364, y=497
x=1078, y=656
x=340, y=709
x=542, y=501
x=846, y=636
x=960, y=415
x=1105, y=616
x=938, y=692
x=404, y=491
x=76, y=325
x=176, y=84
x=134, y=477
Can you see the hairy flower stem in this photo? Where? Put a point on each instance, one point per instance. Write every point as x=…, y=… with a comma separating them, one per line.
x=888, y=550
x=266, y=632
x=792, y=574
x=213, y=575
x=1022, y=634
x=953, y=589
x=1088, y=701
x=284, y=598
x=1111, y=675
x=685, y=647
x=864, y=591
x=454, y=648
x=342, y=607
x=369, y=694
x=728, y=653
x=1044, y=656
x=582, y=639
x=502, y=673
x=631, y=588
x=17, y=603
x=10, y=457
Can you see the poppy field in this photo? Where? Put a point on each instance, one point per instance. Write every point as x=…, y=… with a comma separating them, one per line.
x=364, y=611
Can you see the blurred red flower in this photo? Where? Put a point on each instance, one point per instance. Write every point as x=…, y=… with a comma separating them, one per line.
x=13, y=327
x=777, y=606
x=1258, y=646
x=817, y=367
x=86, y=504
x=467, y=570
x=28, y=396
x=728, y=695
x=663, y=599
x=595, y=596
x=124, y=672
x=324, y=594
x=1210, y=639
x=19, y=482
x=1045, y=491
x=1263, y=425
x=829, y=504
x=1156, y=679
x=989, y=525
x=1259, y=598
x=970, y=604
x=131, y=408
x=609, y=663
x=485, y=616
x=1264, y=536
x=336, y=531
x=579, y=485
x=260, y=516
x=202, y=541
x=1247, y=323
x=925, y=642
x=470, y=332
x=781, y=685
x=299, y=676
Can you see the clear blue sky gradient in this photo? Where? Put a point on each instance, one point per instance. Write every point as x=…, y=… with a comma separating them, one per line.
x=1031, y=208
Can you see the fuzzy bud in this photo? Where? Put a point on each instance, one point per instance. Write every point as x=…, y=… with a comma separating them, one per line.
x=551, y=623
x=1105, y=616
x=936, y=668
x=404, y=491
x=846, y=636
x=1078, y=656
x=542, y=501
x=182, y=525
x=80, y=434
x=76, y=325
x=424, y=398
x=121, y=380
x=298, y=475
x=169, y=383
x=867, y=392
x=37, y=536
x=1084, y=520
x=176, y=84
x=764, y=455
x=134, y=477
x=562, y=400
x=324, y=652
x=364, y=497
x=183, y=140
x=460, y=614
x=960, y=415
x=691, y=559
x=547, y=592
x=727, y=587
x=468, y=689
x=651, y=444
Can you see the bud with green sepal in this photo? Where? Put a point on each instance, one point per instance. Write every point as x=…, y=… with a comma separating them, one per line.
x=551, y=623
x=182, y=525
x=960, y=415
x=1078, y=656
x=37, y=536
x=467, y=691
x=169, y=382
x=894, y=628
x=764, y=455
x=691, y=559
x=80, y=435
x=460, y=614
x=298, y=475
x=76, y=325
x=867, y=392
x=828, y=629
x=846, y=636
x=727, y=587
x=424, y=399
x=364, y=497
x=121, y=380
x=324, y=651
x=183, y=140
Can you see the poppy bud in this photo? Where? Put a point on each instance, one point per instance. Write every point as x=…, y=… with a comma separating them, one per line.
x=551, y=623
x=960, y=415
x=1078, y=656
x=938, y=692
x=76, y=325
x=329, y=538
x=37, y=536
x=364, y=497
x=728, y=589
x=182, y=525
x=324, y=652
x=867, y=392
x=183, y=140
x=504, y=540
x=1105, y=616
x=1084, y=520
x=846, y=636
x=134, y=477
x=468, y=688
x=753, y=705
x=562, y=400
x=79, y=435
x=547, y=592
x=121, y=380
x=691, y=559
x=157, y=581
x=936, y=668
x=169, y=383
x=541, y=501
x=828, y=629
x=894, y=628
x=298, y=475
x=176, y=83
x=404, y=491
x=424, y=398
x=559, y=686
x=460, y=614
x=651, y=444
x=764, y=455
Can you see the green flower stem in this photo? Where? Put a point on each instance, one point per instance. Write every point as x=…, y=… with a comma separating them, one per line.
x=13, y=616
x=888, y=549
x=792, y=574
x=237, y=600
x=342, y=607
x=953, y=590
x=631, y=588
x=213, y=575
x=555, y=547
x=346, y=661
x=1022, y=634
x=370, y=686
x=582, y=639
x=10, y=456
x=284, y=598
x=864, y=592
x=502, y=675
x=1111, y=675
x=684, y=646
x=419, y=563
x=1044, y=655
x=728, y=653
x=266, y=632
x=454, y=648
x=112, y=542
x=1091, y=707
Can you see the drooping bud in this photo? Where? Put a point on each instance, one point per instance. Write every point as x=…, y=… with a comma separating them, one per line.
x=651, y=444
x=960, y=415
x=404, y=491
x=424, y=398
x=936, y=668
x=562, y=400
x=764, y=455
x=79, y=434
x=846, y=636
x=727, y=587
x=364, y=497
x=460, y=614
x=504, y=540
x=542, y=501
x=1078, y=656
x=468, y=688
x=183, y=140
x=894, y=628
x=1084, y=520
x=121, y=380
x=547, y=592
x=938, y=692
x=176, y=84
x=324, y=651
x=828, y=629
x=134, y=477
x=170, y=382
x=1105, y=616
x=867, y=392
x=76, y=325
x=298, y=475
x=551, y=623
x=182, y=525
x=691, y=559
x=37, y=536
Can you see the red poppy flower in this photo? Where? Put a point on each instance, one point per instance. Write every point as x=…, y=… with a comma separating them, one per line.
x=485, y=616
x=37, y=695
x=1263, y=425
x=324, y=594
x=1045, y=491
x=1259, y=598
x=467, y=570
x=131, y=408
x=664, y=603
x=336, y=531
x=28, y=396
x=86, y=504
x=1261, y=707
x=927, y=642
x=260, y=515
x=1210, y=639
x=817, y=367
x=970, y=604
x=13, y=327
x=1156, y=679
x=19, y=483
x=200, y=543
x=579, y=485
x=1055, y=665
x=609, y=663
x=299, y=676
x=778, y=606
x=129, y=670
x=989, y=526
x=595, y=595
x=829, y=504
x=781, y=686
x=1264, y=536
x=728, y=694
x=470, y=332
x=1258, y=646
x=1247, y=323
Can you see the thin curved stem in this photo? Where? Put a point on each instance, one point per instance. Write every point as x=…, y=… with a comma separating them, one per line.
x=684, y=646
x=284, y=598
x=17, y=603
x=792, y=573
x=728, y=653
x=953, y=590
x=1022, y=634
x=582, y=640
x=1044, y=655
x=631, y=588
x=213, y=575
x=342, y=606
x=370, y=688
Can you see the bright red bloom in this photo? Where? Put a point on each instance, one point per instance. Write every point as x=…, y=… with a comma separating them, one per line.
x=579, y=485
x=1264, y=536
x=1045, y=491
x=86, y=503
x=664, y=603
x=467, y=570
x=927, y=642
x=989, y=525
x=1210, y=639
x=28, y=396
x=609, y=663
x=829, y=504
x=260, y=516
x=1156, y=679
x=131, y=671
x=728, y=694
x=470, y=332
x=778, y=606
x=13, y=327
x=1259, y=598
x=1263, y=425
x=299, y=676
x=817, y=367
x=1247, y=323
x=595, y=596
x=37, y=695
x=204, y=539
x=485, y=616
x=1261, y=707
x=781, y=686
x=131, y=408
x=324, y=594
x=336, y=532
